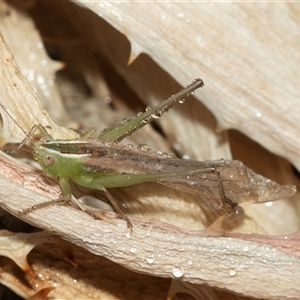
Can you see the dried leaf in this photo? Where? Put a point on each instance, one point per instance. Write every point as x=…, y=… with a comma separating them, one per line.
x=259, y=271
x=250, y=74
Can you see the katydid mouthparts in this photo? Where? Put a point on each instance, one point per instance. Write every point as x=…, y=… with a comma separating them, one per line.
x=104, y=163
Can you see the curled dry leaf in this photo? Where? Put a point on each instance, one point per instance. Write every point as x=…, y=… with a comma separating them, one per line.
x=21, y=102
x=94, y=278
x=250, y=64
x=154, y=247
x=29, y=50
x=17, y=246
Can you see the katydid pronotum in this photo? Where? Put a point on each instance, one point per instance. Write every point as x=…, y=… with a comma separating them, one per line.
x=104, y=163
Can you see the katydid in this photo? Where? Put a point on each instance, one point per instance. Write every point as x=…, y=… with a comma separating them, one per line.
x=104, y=163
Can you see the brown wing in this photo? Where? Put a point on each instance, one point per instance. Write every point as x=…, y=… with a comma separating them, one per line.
x=240, y=183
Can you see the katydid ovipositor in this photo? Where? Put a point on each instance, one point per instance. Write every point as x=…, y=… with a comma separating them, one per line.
x=103, y=163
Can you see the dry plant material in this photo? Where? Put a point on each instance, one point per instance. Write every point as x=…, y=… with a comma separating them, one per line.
x=154, y=247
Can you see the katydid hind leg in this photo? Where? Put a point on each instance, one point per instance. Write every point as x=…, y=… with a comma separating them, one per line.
x=131, y=125
x=223, y=196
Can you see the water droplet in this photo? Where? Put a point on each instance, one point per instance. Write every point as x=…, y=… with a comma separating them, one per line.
x=150, y=260
x=133, y=250
x=258, y=114
x=178, y=272
x=190, y=262
x=107, y=100
x=231, y=272
x=269, y=203
x=246, y=249
x=144, y=147
x=148, y=108
x=154, y=116
x=139, y=114
x=181, y=101
x=157, y=114
x=146, y=120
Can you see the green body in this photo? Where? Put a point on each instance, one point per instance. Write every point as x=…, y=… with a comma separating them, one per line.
x=85, y=168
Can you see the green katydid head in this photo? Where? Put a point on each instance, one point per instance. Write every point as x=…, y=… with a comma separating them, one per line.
x=47, y=160
x=55, y=162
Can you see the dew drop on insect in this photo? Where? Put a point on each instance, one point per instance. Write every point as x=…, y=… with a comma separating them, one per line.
x=139, y=114
x=181, y=101
x=178, y=272
x=124, y=120
x=246, y=249
x=146, y=120
x=231, y=272
x=133, y=250
x=144, y=147
x=158, y=114
x=190, y=262
x=150, y=260
x=148, y=108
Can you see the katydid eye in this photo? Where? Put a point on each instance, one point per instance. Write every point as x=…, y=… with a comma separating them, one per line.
x=48, y=160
